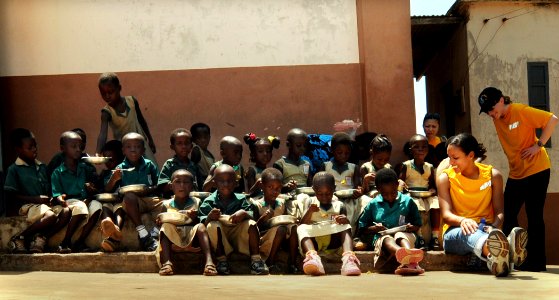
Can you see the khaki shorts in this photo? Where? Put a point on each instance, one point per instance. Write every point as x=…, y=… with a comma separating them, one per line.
x=113, y=206
x=78, y=207
x=151, y=205
x=232, y=237
x=35, y=212
x=410, y=237
x=425, y=204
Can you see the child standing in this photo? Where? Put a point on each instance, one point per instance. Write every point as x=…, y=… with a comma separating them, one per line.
x=112, y=217
x=388, y=210
x=268, y=207
x=239, y=232
x=231, y=151
x=192, y=237
x=295, y=170
x=181, y=143
x=122, y=114
x=324, y=226
x=135, y=169
x=200, y=154
x=72, y=182
x=28, y=183
x=260, y=155
x=420, y=175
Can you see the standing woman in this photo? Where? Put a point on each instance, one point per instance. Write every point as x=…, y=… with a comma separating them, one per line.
x=437, y=149
x=529, y=166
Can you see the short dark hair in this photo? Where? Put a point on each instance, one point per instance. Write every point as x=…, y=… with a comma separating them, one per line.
x=109, y=77
x=182, y=172
x=116, y=147
x=270, y=174
x=381, y=143
x=323, y=178
x=18, y=135
x=68, y=135
x=295, y=132
x=194, y=128
x=340, y=138
x=432, y=116
x=176, y=132
x=134, y=136
x=467, y=143
x=386, y=176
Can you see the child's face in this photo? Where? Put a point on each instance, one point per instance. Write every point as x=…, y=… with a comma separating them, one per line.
x=112, y=163
x=342, y=153
x=458, y=159
x=380, y=159
x=324, y=193
x=263, y=153
x=133, y=150
x=28, y=150
x=226, y=183
x=232, y=154
x=419, y=149
x=271, y=189
x=110, y=93
x=72, y=148
x=297, y=146
x=202, y=137
x=182, y=145
x=431, y=127
x=181, y=186
x=389, y=191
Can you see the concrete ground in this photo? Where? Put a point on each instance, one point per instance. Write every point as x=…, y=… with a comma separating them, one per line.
x=431, y=285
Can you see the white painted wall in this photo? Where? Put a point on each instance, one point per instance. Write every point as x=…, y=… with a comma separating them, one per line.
x=499, y=58
x=39, y=37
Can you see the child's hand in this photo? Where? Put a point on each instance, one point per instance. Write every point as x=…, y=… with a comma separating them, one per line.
x=192, y=213
x=90, y=188
x=158, y=222
x=314, y=208
x=117, y=175
x=402, y=185
x=341, y=219
x=358, y=192
x=44, y=199
x=268, y=215
x=291, y=185
x=434, y=191
x=411, y=228
x=238, y=216
x=61, y=200
x=376, y=228
x=214, y=214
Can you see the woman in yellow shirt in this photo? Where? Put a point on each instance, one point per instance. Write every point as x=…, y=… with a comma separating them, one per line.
x=471, y=203
x=529, y=165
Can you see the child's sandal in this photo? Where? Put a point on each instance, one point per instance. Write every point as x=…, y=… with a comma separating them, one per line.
x=210, y=270
x=166, y=269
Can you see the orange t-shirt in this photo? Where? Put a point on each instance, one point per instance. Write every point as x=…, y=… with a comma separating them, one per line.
x=471, y=198
x=516, y=131
x=435, y=141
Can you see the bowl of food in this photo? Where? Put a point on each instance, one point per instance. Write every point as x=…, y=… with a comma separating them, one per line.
x=420, y=193
x=96, y=160
x=281, y=220
x=226, y=220
x=106, y=197
x=305, y=190
x=174, y=218
x=344, y=194
x=138, y=189
x=200, y=195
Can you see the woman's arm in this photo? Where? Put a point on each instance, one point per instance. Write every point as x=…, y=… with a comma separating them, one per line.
x=547, y=131
x=468, y=226
x=497, y=198
x=102, y=139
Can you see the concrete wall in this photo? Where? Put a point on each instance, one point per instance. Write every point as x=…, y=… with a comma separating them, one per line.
x=499, y=55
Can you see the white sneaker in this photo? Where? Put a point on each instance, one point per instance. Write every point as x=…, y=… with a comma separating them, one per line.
x=518, y=238
x=498, y=258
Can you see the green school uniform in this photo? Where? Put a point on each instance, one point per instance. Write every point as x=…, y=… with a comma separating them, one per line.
x=240, y=202
x=27, y=180
x=173, y=164
x=144, y=173
x=293, y=170
x=64, y=181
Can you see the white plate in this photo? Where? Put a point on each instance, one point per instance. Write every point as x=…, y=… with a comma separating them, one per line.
x=393, y=230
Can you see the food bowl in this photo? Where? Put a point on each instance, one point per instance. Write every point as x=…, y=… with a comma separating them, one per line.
x=106, y=197
x=138, y=189
x=96, y=160
x=174, y=218
x=420, y=194
x=226, y=220
x=344, y=194
x=393, y=230
x=305, y=190
x=286, y=196
x=281, y=220
x=200, y=195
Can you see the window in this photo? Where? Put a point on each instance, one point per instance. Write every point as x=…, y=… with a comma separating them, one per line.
x=538, y=89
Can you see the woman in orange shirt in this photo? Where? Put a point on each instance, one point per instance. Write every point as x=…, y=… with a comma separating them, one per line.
x=471, y=202
x=529, y=165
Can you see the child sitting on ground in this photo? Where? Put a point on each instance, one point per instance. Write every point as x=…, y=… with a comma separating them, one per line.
x=112, y=217
x=419, y=175
x=239, y=231
x=266, y=208
x=58, y=158
x=295, y=170
x=72, y=182
x=200, y=154
x=181, y=143
x=324, y=226
x=381, y=150
x=260, y=155
x=28, y=184
x=231, y=151
x=388, y=210
x=135, y=169
x=122, y=114
x=192, y=237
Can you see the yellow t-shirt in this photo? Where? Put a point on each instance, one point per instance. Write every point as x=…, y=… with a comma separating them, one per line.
x=471, y=198
x=435, y=141
x=516, y=131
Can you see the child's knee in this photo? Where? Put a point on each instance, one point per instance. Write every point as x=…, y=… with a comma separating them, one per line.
x=130, y=199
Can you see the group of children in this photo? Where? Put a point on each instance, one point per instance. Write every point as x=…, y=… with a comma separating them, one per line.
x=236, y=216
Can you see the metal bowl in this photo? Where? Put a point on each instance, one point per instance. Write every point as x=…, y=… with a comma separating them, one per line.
x=281, y=220
x=138, y=189
x=106, y=197
x=174, y=218
x=96, y=160
x=420, y=194
x=226, y=220
x=305, y=190
x=344, y=194
x=200, y=195
x=286, y=196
